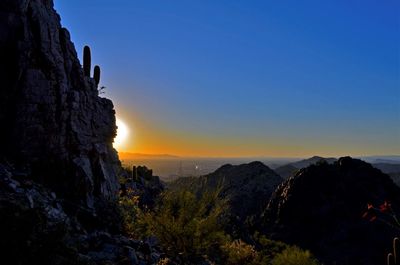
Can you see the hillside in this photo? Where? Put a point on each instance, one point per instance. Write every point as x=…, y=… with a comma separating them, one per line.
x=320, y=208
x=247, y=187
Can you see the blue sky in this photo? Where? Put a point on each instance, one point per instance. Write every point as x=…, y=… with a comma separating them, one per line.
x=239, y=78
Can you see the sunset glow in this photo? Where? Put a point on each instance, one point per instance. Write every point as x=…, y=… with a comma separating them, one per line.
x=122, y=134
x=277, y=79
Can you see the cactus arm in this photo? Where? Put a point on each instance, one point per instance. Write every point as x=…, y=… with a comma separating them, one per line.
x=96, y=74
x=86, y=61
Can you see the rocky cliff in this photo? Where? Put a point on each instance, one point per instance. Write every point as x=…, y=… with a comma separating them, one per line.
x=55, y=128
x=58, y=169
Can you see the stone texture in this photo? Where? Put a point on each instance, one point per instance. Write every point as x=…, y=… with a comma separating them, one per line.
x=55, y=127
x=36, y=229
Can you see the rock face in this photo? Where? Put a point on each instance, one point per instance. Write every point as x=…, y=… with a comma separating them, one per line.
x=35, y=229
x=55, y=128
x=143, y=184
x=321, y=207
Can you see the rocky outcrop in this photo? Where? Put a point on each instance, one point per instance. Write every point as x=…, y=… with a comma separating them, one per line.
x=142, y=183
x=320, y=208
x=35, y=229
x=55, y=128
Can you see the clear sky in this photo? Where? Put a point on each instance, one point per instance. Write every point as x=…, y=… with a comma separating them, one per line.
x=247, y=78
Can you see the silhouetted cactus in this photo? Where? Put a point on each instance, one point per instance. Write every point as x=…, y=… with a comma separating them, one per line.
x=394, y=258
x=87, y=60
x=134, y=174
x=96, y=74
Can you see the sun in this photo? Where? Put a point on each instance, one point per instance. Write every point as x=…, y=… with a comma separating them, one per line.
x=122, y=134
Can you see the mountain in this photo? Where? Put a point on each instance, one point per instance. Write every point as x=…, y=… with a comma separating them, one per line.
x=387, y=167
x=395, y=159
x=246, y=187
x=320, y=208
x=58, y=169
x=133, y=156
x=392, y=169
x=287, y=170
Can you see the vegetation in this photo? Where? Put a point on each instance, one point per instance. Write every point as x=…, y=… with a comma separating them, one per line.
x=190, y=229
x=87, y=61
x=96, y=74
x=186, y=226
x=294, y=256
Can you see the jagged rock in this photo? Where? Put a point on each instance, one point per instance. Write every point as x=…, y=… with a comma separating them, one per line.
x=320, y=208
x=35, y=229
x=54, y=124
x=141, y=182
x=58, y=169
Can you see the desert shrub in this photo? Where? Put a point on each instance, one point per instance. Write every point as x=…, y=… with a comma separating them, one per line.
x=129, y=209
x=238, y=252
x=187, y=226
x=294, y=256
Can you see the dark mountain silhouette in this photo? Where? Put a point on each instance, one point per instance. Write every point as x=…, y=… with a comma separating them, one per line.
x=287, y=170
x=247, y=188
x=320, y=208
x=392, y=169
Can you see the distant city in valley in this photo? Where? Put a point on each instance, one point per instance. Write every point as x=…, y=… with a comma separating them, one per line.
x=170, y=167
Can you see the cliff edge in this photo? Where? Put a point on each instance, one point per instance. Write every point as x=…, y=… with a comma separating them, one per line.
x=56, y=130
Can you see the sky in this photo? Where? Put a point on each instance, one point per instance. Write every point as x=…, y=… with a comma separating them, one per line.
x=247, y=78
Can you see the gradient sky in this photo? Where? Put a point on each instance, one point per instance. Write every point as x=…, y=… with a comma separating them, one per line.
x=247, y=78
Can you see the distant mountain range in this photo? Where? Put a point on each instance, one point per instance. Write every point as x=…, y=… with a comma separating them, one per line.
x=319, y=207
x=129, y=156
x=287, y=170
x=387, y=164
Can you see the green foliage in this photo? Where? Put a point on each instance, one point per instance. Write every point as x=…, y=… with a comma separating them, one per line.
x=238, y=252
x=294, y=256
x=187, y=226
x=190, y=228
x=129, y=208
x=269, y=248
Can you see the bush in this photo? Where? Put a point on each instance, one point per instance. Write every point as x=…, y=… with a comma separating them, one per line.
x=238, y=252
x=186, y=226
x=294, y=256
x=129, y=209
x=190, y=230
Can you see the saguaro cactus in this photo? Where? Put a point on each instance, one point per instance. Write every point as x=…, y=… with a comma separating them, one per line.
x=394, y=258
x=96, y=74
x=134, y=174
x=87, y=60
